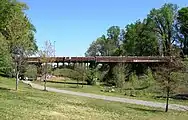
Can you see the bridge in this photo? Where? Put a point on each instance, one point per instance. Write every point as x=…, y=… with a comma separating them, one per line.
x=102, y=59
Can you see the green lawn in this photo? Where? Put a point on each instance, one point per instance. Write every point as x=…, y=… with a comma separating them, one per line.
x=31, y=104
x=97, y=90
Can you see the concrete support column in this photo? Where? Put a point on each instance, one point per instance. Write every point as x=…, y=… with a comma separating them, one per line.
x=74, y=64
x=57, y=65
x=84, y=65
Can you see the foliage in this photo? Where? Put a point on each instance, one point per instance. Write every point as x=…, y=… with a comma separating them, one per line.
x=183, y=26
x=140, y=40
x=17, y=35
x=5, y=59
x=119, y=76
x=91, y=78
x=164, y=20
x=69, y=73
x=31, y=72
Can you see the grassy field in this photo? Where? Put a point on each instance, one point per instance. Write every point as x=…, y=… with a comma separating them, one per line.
x=97, y=90
x=31, y=104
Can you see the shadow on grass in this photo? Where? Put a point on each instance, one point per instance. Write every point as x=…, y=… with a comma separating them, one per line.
x=145, y=109
x=62, y=82
x=5, y=89
x=74, y=87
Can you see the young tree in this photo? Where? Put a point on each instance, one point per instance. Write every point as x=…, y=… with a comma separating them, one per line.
x=119, y=75
x=166, y=76
x=46, y=57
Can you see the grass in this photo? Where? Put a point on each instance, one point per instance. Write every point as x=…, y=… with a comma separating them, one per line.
x=31, y=104
x=97, y=90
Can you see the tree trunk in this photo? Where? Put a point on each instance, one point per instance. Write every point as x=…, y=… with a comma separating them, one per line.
x=167, y=98
x=77, y=83
x=82, y=82
x=45, y=84
x=45, y=77
x=17, y=79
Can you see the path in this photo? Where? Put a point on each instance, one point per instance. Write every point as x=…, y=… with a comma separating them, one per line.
x=109, y=98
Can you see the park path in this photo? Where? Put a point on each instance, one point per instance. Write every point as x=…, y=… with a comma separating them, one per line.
x=110, y=98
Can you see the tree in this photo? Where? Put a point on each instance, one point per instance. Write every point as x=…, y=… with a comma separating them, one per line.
x=94, y=49
x=139, y=40
x=46, y=57
x=183, y=22
x=17, y=32
x=164, y=20
x=98, y=47
x=31, y=72
x=119, y=75
x=166, y=75
x=106, y=45
x=5, y=59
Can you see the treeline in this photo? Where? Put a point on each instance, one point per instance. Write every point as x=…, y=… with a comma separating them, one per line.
x=164, y=32
x=16, y=37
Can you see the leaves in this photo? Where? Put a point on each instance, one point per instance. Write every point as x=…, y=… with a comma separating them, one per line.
x=164, y=20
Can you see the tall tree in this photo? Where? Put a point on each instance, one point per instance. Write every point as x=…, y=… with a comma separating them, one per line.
x=165, y=21
x=17, y=32
x=113, y=40
x=5, y=58
x=139, y=40
x=106, y=45
x=183, y=22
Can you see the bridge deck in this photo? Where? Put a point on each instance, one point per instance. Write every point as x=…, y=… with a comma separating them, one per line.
x=104, y=59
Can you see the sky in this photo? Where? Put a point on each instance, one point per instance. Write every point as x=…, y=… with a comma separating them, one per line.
x=74, y=24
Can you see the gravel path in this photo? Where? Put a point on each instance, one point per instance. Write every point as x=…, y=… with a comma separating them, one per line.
x=109, y=98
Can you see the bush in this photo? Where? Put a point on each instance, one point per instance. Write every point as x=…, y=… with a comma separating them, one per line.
x=65, y=72
x=31, y=72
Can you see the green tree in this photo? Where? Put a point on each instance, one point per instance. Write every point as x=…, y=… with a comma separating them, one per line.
x=106, y=45
x=17, y=32
x=183, y=22
x=119, y=75
x=31, y=72
x=5, y=59
x=164, y=20
x=140, y=40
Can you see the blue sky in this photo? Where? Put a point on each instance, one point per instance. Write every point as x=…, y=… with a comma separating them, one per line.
x=74, y=24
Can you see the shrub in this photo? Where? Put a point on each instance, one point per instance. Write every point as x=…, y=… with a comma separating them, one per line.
x=31, y=72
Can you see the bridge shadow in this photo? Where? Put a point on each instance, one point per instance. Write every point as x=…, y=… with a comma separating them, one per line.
x=64, y=82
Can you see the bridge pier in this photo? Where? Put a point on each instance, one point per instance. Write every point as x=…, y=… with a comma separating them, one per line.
x=57, y=64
